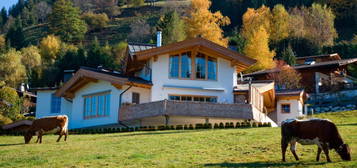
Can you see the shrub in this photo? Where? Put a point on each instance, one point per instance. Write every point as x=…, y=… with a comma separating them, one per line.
x=185, y=127
x=12, y=110
x=4, y=120
x=179, y=127
x=260, y=124
x=215, y=126
x=221, y=125
x=231, y=125
x=190, y=127
x=95, y=21
x=172, y=127
x=161, y=127
x=238, y=125
x=207, y=126
x=199, y=126
x=254, y=124
x=269, y=124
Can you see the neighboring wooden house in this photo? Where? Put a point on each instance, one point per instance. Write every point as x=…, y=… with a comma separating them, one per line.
x=319, y=73
x=188, y=82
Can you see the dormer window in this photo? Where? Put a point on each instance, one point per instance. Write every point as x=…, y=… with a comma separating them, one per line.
x=187, y=66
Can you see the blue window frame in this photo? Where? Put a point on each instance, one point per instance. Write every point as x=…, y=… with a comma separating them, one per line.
x=96, y=105
x=55, y=104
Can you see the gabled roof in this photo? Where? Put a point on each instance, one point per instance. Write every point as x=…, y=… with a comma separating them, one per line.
x=300, y=67
x=86, y=74
x=199, y=44
x=333, y=56
x=137, y=47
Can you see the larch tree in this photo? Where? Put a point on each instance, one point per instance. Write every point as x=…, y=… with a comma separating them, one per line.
x=31, y=57
x=201, y=22
x=172, y=27
x=254, y=19
x=49, y=49
x=319, y=24
x=65, y=21
x=258, y=48
x=12, y=71
x=279, y=24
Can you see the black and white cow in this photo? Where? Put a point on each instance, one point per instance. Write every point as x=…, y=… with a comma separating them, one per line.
x=320, y=132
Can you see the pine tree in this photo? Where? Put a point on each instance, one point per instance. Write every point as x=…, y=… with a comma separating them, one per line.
x=65, y=21
x=173, y=28
x=201, y=22
x=257, y=48
x=15, y=36
x=289, y=56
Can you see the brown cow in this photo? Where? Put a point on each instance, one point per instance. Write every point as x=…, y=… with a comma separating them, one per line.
x=55, y=124
x=321, y=132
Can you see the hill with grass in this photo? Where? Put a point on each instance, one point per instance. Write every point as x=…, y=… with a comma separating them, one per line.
x=249, y=147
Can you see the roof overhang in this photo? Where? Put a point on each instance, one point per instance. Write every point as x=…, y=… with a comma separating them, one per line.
x=198, y=45
x=83, y=77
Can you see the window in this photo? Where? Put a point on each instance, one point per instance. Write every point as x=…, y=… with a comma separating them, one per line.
x=285, y=108
x=174, y=66
x=55, y=104
x=96, y=105
x=212, y=68
x=135, y=98
x=200, y=66
x=211, y=99
x=187, y=66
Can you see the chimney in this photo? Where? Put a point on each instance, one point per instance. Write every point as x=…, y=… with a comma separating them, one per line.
x=158, y=39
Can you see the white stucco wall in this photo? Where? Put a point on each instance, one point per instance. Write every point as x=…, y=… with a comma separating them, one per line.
x=160, y=77
x=77, y=120
x=43, y=105
x=296, y=110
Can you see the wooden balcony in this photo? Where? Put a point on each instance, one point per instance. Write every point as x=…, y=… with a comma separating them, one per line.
x=194, y=109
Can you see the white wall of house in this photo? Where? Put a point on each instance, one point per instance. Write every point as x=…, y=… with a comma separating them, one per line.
x=296, y=110
x=43, y=104
x=77, y=119
x=222, y=87
x=145, y=94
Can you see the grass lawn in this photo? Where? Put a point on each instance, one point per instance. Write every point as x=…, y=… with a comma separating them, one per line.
x=251, y=147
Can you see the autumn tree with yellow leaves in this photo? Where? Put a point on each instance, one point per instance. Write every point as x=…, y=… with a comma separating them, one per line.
x=279, y=23
x=202, y=22
x=257, y=48
x=253, y=19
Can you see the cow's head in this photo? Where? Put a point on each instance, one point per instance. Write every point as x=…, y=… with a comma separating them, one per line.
x=28, y=135
x=345, y=152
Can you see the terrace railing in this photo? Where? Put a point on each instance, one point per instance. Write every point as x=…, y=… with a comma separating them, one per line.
x=178, y=108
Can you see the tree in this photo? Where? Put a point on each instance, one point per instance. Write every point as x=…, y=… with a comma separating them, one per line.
x=3, y=16
x=288, y=56
x=173, y=28
x=49, y=49
x=140, y=31
x=257, y=48
x=65, y=21
x=110, y=7
x=354, y=40
x=42, y=10
x=119, y=51
x=280, y=23
x=2, y=44
x=31, y=57
x=202, y=23
x=98, y=55
x=15, y=35
x=254, y=19
x=285, y=76
x=11, y=68
x=95, y=21
x=9, y=95
x=319, y=24
x=238, y=41
x=296, y=23
x=301, y=47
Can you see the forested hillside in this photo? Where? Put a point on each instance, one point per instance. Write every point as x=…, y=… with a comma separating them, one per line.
x=41, y=38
